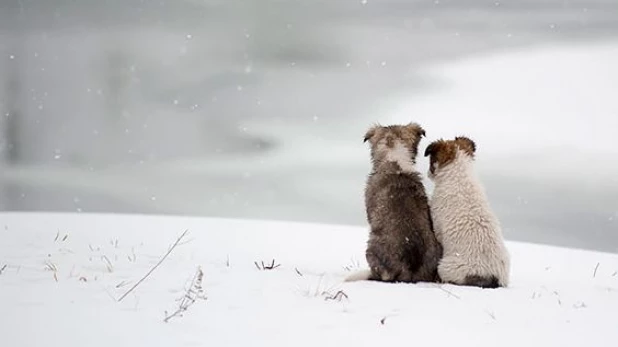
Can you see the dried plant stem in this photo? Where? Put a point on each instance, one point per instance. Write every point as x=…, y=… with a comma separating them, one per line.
x=192, y=294
x=156, y=265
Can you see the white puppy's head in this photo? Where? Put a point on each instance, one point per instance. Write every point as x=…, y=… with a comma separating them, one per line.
x=441, y=153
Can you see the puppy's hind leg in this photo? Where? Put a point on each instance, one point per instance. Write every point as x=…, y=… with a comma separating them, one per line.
x=381, y=267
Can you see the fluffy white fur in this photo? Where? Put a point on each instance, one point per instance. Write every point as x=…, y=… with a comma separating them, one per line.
x=400, y=154
x=466, y=226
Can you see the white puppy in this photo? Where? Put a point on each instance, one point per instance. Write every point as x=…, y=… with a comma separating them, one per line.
x=474, y=251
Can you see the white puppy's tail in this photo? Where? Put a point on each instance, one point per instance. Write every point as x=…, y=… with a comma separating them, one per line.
x=361, y=275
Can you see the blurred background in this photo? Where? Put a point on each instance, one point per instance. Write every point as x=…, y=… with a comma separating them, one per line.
x=257, y=108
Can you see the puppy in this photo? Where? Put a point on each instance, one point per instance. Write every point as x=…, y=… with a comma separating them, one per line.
x=474, y=252
x=402, y=246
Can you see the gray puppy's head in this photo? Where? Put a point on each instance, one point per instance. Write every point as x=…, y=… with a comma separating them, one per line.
x=394, y=143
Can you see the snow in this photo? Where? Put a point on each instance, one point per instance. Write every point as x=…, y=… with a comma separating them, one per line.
x=559, y=297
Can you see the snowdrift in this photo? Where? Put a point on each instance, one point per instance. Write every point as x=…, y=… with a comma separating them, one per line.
x=63, y=274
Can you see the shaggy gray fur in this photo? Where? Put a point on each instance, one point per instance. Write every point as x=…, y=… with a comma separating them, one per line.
x=402, y=246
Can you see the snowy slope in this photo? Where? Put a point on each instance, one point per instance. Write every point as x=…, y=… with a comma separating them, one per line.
x=65, y=271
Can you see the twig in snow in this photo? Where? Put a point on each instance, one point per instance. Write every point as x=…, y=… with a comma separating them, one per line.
x=191, y=295
x=338, y=296
x=615, y=273
x=298, y=272
x=108, y=264
x=383, y=320
x=449, y=292
x=227, y=261
x=595, y=270
x=156, y=265
x=491, y=314
x=580, y=305
x=3, y=268
x=272, y=265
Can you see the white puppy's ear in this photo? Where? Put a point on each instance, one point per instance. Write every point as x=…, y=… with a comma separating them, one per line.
x=432, y=148
x=466, y=144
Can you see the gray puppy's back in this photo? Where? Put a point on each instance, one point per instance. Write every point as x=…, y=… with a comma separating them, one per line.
x=402, y=245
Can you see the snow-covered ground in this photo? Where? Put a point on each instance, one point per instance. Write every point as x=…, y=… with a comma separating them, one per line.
x=62, y=275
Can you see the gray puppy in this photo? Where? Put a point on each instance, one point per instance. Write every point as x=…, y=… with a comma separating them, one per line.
x=402, y=246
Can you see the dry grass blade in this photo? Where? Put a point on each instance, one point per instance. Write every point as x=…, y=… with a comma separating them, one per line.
x=155, y=266
x=263, y=266
x=594, y=274
x=191, y=295
x=3, y=268
x=108, y=264
x=49, y=266
x=449, y=292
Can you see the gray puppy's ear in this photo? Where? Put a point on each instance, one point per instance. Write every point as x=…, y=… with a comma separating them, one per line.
x=420, y=132
x=370, y=133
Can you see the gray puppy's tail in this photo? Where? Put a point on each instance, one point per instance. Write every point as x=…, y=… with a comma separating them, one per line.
x=361, y=275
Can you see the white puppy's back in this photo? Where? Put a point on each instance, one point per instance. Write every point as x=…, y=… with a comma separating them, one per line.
x=470, y=233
